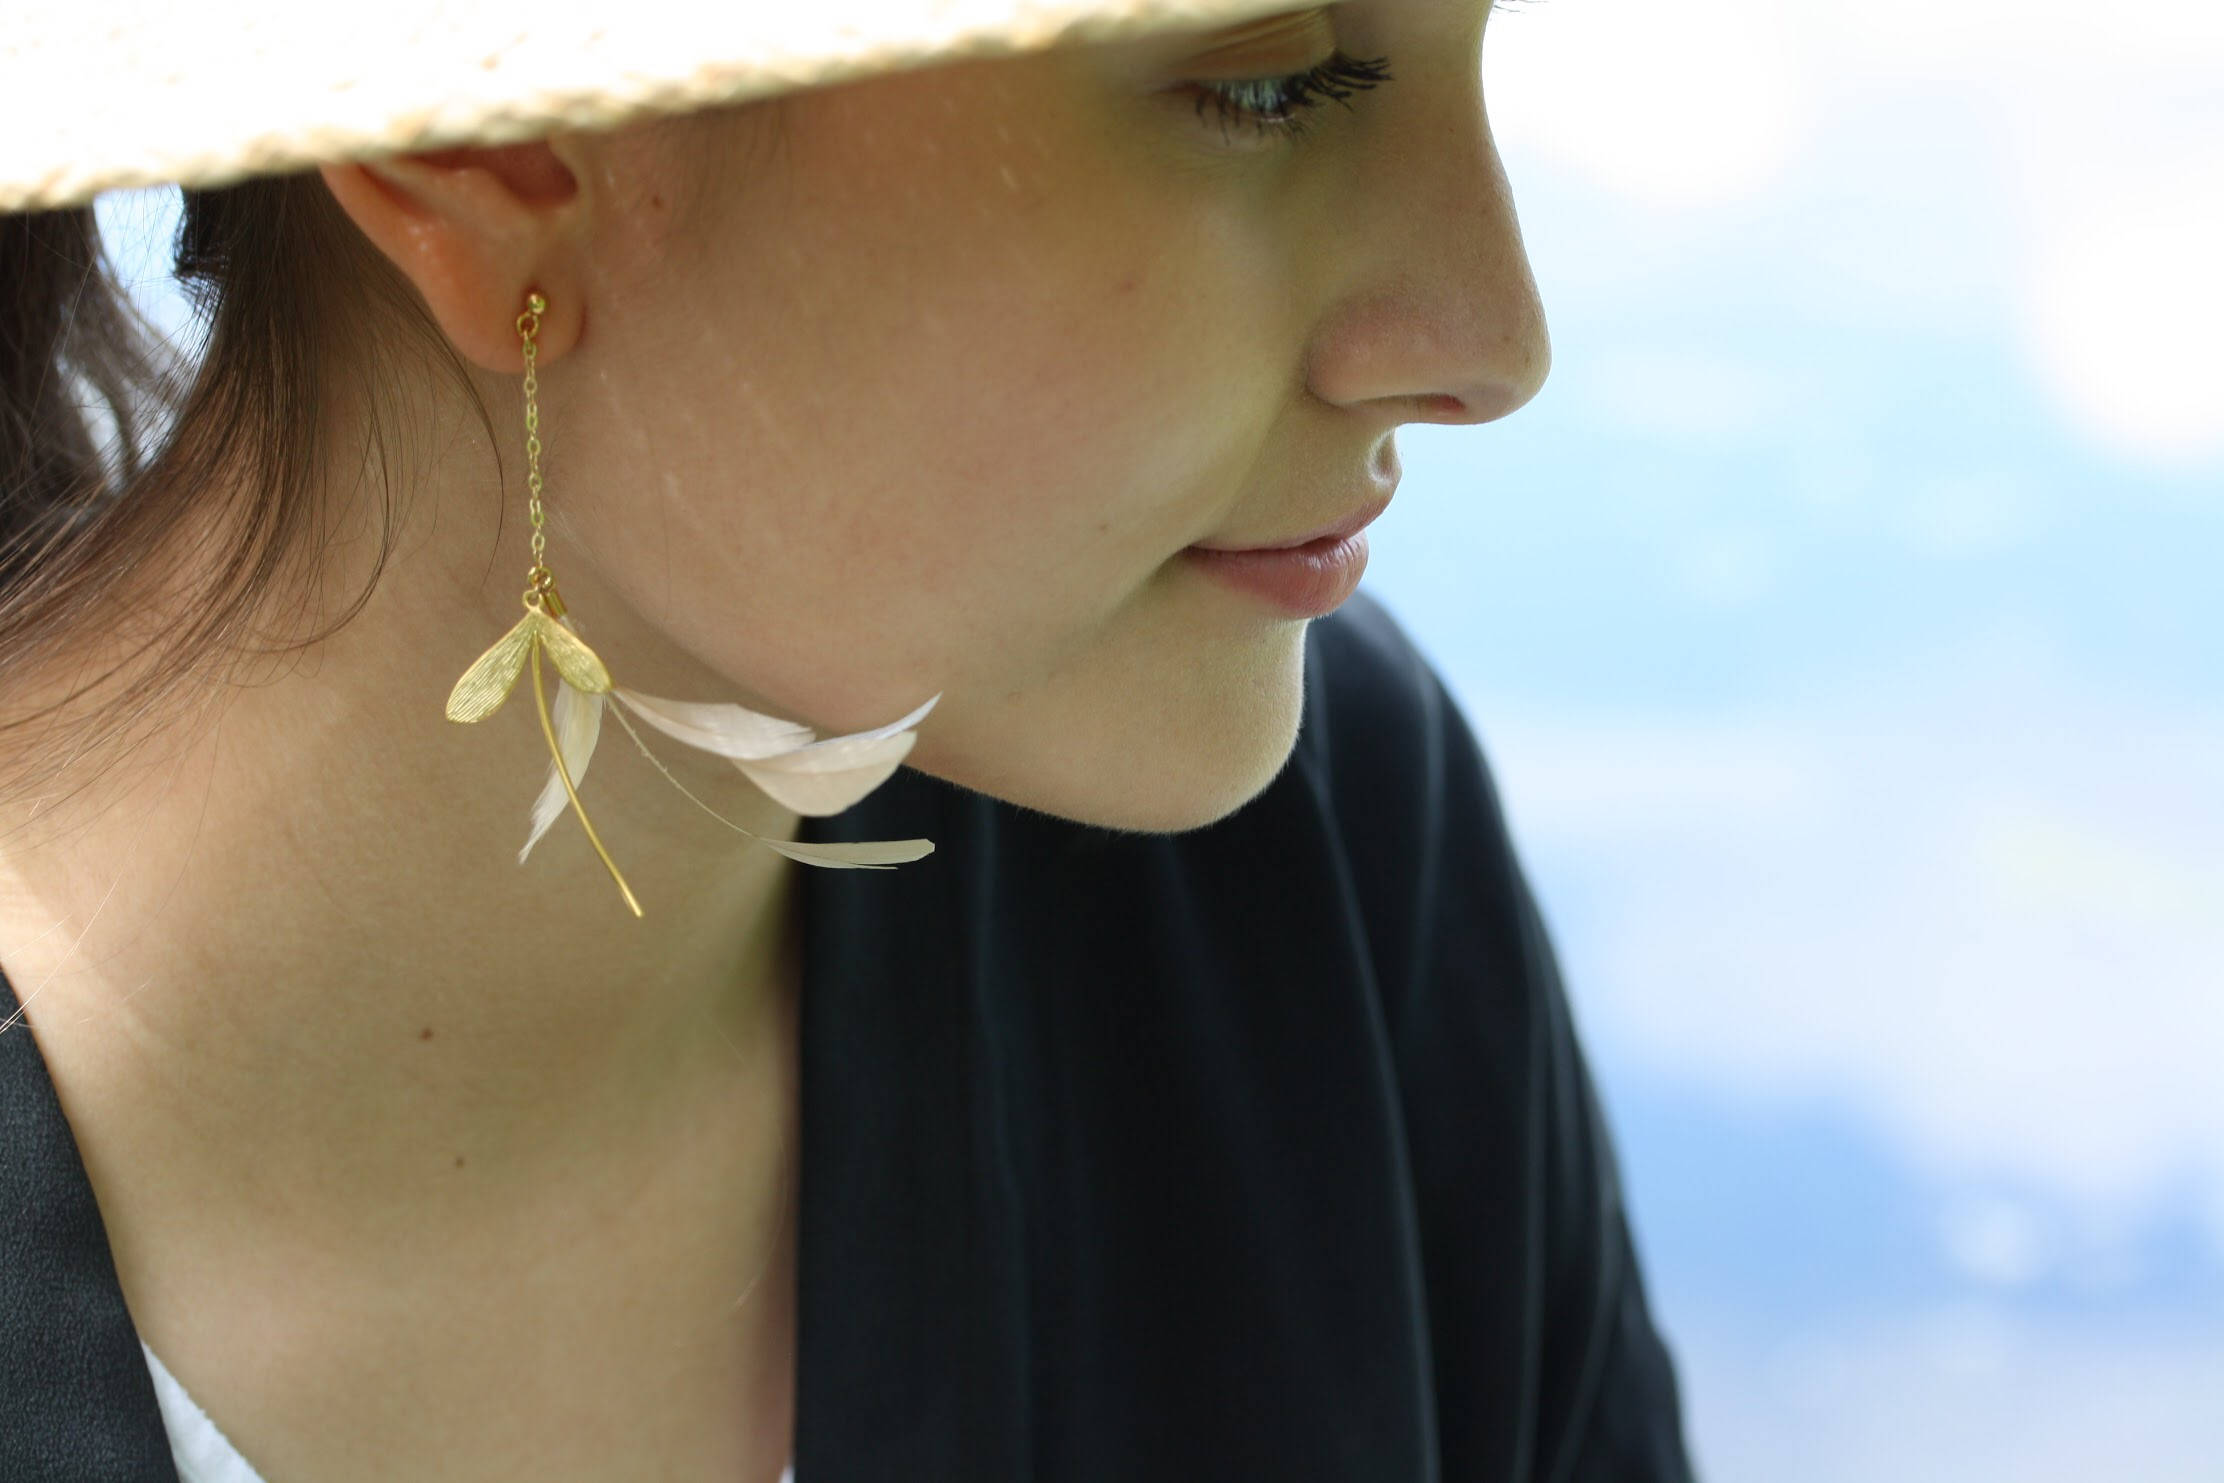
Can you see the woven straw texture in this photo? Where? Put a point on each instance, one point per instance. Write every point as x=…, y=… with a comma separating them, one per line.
x=95, y=96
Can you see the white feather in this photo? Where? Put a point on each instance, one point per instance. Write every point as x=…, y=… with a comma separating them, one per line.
x=811, y=782
x=826, y=777
x=577, y=719
x=728, y=730
x=785, y=759
x=879, y=854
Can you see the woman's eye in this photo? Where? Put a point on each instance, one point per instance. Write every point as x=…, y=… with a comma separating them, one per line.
x=1276, y=106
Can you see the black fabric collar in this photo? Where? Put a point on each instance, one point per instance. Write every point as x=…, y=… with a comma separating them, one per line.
x=76, y=1401
x=894, y=1262
x=911, y=1360
x=907, y=1317
x=1104, y=1174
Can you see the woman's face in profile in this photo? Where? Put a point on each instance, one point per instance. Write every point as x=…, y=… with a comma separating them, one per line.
x=924, y=384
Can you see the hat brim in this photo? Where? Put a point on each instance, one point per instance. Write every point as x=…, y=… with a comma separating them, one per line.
x=205, y=94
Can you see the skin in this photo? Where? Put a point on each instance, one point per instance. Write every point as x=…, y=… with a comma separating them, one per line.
x=910, y=385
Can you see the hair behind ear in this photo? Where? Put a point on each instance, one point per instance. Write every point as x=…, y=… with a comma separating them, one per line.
x=90, y=511
x=65, y=329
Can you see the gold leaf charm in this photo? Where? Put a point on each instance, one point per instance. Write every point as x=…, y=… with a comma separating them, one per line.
x=483, y=687
x=488, y=682
x=577, y=663
x=491, y=677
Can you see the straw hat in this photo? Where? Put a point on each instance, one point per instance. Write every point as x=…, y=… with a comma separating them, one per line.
x=94, y=96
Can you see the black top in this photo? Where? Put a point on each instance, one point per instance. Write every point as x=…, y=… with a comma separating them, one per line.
x=1265, y=1151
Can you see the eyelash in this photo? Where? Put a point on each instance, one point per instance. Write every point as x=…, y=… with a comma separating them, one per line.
x=1291, y=98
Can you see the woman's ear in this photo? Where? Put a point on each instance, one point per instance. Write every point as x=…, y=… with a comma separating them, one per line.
x=474, y=229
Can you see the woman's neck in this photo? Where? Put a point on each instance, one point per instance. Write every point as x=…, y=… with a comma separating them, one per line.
x=290, y=953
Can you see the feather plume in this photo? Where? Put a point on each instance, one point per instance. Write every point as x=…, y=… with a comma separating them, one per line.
x=826, y=777
x=788, y=761
x=578, y=721
x=882, y=854
x=729, y=730
x=879, y=854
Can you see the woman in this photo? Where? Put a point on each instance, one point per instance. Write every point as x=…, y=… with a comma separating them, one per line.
x=1204, y=1105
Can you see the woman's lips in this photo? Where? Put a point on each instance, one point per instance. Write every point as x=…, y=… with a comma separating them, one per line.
x=1308, y=581
x=1306, y=578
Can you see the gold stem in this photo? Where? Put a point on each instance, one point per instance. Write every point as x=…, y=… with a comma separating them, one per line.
x=540, y=701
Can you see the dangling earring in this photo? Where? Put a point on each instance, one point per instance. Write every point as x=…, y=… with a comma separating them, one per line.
x=787, y=761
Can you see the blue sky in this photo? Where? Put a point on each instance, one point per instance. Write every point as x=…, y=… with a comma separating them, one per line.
x=1843, y=622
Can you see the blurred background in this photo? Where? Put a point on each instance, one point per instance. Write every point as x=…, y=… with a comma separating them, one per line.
x=1843, y=621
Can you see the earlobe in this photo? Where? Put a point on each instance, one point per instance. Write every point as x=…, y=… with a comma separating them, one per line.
x=473, y=230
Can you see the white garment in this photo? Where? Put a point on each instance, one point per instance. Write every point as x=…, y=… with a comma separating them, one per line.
x=199, y=1450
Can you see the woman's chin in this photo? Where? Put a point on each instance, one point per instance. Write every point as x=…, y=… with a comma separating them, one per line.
x=1161, y=790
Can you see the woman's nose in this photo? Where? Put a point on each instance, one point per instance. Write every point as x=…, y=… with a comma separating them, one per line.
x=1442, y=321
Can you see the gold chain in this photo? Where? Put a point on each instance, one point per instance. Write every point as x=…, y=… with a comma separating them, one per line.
x=540, y=580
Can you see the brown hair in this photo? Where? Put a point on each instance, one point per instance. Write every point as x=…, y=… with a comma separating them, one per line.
x=94, y=505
